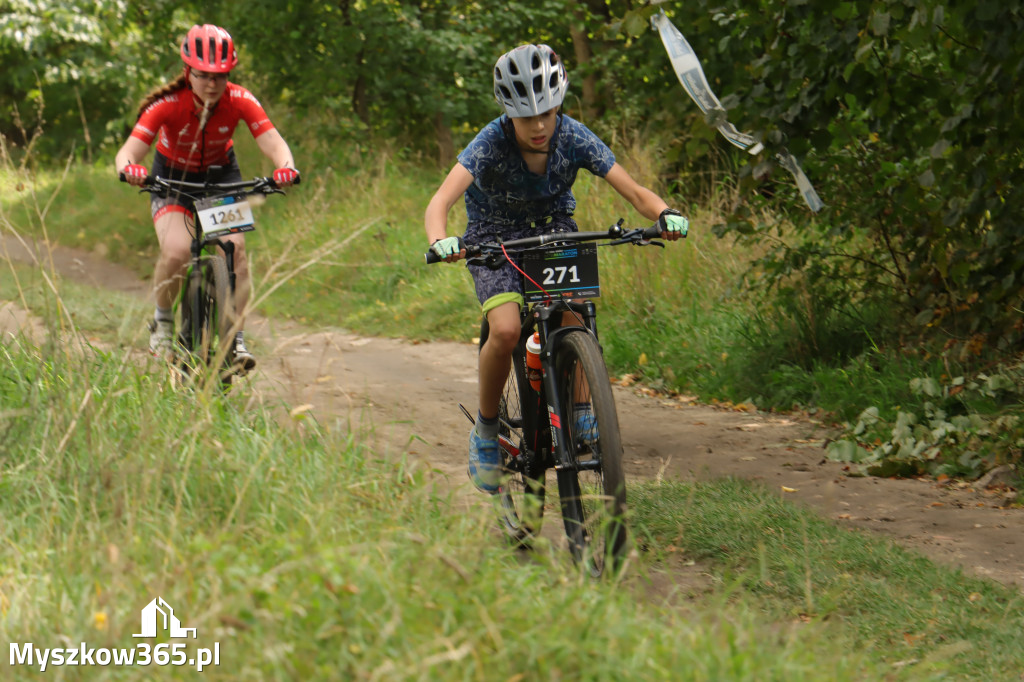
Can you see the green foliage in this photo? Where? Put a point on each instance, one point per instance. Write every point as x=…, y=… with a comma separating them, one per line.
x=77, y=70
x=960, y=428
x=892, y=108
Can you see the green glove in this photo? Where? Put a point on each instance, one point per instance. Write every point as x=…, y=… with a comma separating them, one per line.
x=449, y=246
x=673, y=222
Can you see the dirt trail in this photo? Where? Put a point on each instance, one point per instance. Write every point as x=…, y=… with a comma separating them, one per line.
x=405, y=396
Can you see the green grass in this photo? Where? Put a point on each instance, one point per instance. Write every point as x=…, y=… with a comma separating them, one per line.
x=894, y=604
x=307, y=556
x=345, y=249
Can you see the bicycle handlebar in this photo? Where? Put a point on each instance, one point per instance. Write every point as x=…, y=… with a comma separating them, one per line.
x=638, y=236
x=155, y=184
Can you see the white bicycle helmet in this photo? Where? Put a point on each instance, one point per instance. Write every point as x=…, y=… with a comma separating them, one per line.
x=529, y=80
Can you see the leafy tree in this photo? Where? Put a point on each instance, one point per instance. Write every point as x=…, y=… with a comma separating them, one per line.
x=66, y=68
x=903, y=112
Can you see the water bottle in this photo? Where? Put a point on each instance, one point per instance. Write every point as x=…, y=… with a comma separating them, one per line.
x=533, y=368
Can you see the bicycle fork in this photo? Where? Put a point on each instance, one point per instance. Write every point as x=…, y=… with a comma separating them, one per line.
x=557, y=403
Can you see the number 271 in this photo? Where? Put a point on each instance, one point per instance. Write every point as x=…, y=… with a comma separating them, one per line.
x=557, y=275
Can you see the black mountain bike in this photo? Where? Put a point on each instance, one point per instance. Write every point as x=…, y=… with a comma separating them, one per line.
x=568, y=422
x=205, y=309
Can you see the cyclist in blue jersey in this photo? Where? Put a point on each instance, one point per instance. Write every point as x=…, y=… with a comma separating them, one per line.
x=517, y=176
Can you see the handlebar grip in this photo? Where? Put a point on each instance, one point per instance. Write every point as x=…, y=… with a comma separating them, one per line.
x=123, y=178
x=652, y=232
x=431, y=257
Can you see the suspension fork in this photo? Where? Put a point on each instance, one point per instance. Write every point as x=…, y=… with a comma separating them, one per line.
x=549, y=319
x=229, y=258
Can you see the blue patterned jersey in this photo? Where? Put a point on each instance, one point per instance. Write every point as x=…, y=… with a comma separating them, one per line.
x=505, y=192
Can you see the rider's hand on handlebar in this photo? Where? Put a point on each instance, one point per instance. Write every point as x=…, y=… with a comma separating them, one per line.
x=285, y=177
x=673, y=224
x=449, y=249
x=134, y=174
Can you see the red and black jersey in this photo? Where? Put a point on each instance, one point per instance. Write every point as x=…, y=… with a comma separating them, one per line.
x=176, y=119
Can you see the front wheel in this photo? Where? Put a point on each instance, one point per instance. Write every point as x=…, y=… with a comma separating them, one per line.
x=207, y=315
x=591, y=483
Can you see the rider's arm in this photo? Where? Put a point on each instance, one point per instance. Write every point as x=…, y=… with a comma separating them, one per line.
x=454, y=186
x=133, y=151
x=646, y=202
x=276, y=149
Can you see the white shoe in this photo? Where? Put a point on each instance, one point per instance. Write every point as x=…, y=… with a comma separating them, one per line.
x=242, y=360
x=161, y=338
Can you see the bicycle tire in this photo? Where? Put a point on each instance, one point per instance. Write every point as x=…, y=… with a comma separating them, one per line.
x=192, y=322
x=207, y=315
x=593, y=496
x=522, y=491
x=224, y=315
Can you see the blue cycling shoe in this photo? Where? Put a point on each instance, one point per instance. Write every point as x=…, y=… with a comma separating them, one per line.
x=484, y=463
x=584, y=426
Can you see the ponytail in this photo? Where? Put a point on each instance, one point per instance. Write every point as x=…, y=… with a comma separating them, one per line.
x=179, y=83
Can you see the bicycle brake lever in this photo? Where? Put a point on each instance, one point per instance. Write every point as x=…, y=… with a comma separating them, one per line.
x=634, y=237
x=489, y=261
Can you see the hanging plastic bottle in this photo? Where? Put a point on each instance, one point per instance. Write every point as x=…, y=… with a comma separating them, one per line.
x=533, y=367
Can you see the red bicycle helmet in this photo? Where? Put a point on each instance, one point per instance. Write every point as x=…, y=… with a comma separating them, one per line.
x=209, y=48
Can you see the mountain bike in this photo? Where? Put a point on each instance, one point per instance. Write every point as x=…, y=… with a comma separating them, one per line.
x=561, y=415
x=205, y=309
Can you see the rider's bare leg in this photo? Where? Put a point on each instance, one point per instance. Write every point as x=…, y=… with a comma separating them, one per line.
x=496, y=355
x=175, y=243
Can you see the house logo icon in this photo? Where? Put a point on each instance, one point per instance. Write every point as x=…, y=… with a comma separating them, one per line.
x=158, y=615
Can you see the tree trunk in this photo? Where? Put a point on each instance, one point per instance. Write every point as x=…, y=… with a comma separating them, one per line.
x=359, y=104
x=583, y=51
x=445, y=145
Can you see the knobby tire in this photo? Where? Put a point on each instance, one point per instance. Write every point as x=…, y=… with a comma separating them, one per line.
x=207, y=318
x=593, y=500
x=521, y=443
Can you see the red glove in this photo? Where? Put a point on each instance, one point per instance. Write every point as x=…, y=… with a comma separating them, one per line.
x=285, y=176
x=134, y=174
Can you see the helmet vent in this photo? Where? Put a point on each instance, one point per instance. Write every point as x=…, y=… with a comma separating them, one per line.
x=529, y=80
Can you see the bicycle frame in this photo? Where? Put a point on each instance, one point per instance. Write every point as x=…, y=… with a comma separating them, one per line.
x=546, y=318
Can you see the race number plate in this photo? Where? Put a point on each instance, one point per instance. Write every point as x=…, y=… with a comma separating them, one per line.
x=568, y=272
x=224, y=215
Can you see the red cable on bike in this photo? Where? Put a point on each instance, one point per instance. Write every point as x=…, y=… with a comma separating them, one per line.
x=521, y=272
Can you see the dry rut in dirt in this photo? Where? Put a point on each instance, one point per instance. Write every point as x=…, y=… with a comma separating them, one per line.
x=405, y=397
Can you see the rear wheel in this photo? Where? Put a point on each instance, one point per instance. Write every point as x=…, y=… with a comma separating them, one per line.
x=592, y=490
x=521, y=494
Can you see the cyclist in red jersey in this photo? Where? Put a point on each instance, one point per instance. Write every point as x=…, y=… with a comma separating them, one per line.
x=192, y=119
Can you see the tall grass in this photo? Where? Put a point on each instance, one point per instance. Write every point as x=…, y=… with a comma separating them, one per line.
x=345, y=249
x=306, y=555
